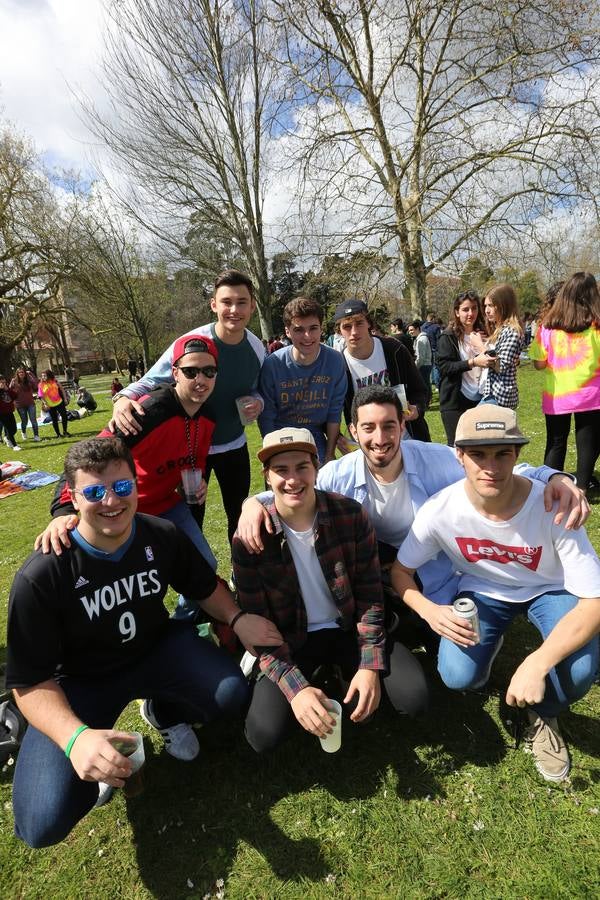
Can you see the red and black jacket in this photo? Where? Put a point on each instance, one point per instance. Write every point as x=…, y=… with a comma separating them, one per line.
x=160, y=451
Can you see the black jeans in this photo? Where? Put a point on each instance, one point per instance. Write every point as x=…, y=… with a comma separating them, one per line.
x=232, y=470
x=55, y=412
x=587, y=442
x=270, y=717
x=9, y=424
x=450, y=418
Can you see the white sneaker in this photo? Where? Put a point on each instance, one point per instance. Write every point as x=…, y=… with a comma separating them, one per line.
x=36, y=437
x=180, y=740
x=15, y=447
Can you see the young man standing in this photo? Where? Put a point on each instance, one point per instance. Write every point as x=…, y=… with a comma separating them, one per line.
x=241, y=355
x=174, y=435
x=513, y=559
x=88, y=633
x=423, y=355
x=304, y=384
x=317, y=579
x=379, y=360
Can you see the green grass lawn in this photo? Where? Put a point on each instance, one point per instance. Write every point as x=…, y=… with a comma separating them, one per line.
x=442, y=807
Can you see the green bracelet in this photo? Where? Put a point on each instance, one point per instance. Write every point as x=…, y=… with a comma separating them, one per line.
x=73, y=738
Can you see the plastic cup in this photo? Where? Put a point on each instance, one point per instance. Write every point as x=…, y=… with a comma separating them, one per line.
x=400, y=392
x=243, y=403
x=191, y=479
x=133, y=749
x=331, y=743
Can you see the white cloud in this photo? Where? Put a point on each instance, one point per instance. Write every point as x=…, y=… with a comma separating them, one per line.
x=50, y=48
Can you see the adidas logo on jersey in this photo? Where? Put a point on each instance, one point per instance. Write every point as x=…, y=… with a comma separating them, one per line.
x=81, y=581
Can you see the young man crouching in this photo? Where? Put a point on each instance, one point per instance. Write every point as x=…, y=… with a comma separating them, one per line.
x=317, y=579
x=513, y=559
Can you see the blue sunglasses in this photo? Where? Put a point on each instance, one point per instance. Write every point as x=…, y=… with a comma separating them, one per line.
x=94, y=493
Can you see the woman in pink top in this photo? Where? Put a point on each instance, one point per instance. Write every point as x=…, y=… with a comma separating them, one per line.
x=567, y=347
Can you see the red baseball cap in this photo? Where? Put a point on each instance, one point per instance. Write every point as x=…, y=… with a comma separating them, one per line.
x=194, y=343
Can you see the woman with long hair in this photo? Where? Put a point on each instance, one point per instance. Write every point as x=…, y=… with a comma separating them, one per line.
x=25, y=385
x=53, y=395
x=461, y=359
x=504, y=343
x=567, y=348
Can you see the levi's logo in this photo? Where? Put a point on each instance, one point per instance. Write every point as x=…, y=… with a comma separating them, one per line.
x=474, y=549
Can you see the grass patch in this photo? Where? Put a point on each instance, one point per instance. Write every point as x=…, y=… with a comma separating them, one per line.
x=443, y=807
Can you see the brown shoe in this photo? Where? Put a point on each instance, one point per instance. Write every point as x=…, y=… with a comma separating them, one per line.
x=548, y=747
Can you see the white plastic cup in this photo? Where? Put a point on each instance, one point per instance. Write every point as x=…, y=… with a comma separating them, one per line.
x=400, y=392
x=133, y=749
x=331, y=743
x=191, y=479
x=243, y=404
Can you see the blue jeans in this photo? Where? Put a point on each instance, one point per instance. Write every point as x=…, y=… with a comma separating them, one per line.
x=181, y=515
x=28, y=412
x=188, y=680
x=463, y=667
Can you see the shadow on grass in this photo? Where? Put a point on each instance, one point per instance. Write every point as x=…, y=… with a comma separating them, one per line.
x=192, y=818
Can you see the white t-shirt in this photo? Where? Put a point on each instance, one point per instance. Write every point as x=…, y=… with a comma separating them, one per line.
x=372, y=370
x=470, y=378
x=389, y=508
x=321, y=611
x=513, y=561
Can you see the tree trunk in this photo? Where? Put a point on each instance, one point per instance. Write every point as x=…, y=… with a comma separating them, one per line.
x=263, y=303
x=6, y=352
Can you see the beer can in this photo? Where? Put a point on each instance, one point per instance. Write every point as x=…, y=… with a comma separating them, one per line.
x=465, y=608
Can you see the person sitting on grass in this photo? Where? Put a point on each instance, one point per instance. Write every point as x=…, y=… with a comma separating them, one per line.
x=318, y=580
x=88, y=633
x=513, y=559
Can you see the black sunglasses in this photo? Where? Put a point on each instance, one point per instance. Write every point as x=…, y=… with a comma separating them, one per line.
x=193, y=371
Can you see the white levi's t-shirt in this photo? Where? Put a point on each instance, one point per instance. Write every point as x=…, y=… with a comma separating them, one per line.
x=513, y=561
x=321, y=611
x=372, y=370
x=389, y=508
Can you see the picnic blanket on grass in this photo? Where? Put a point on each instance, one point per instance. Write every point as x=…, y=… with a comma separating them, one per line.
x=24, y=481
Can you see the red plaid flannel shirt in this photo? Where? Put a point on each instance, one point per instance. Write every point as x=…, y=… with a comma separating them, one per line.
x=267, y=585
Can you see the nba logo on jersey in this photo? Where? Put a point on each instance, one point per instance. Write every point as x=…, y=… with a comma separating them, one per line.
x=149, y=554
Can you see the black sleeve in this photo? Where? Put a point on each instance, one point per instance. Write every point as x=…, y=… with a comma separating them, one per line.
x=190, y=574
x=33, y=633
x=448, y=360
x=404, y=371
x=62, y=504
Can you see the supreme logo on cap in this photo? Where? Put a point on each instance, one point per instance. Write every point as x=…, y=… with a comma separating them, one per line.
x=487, y=426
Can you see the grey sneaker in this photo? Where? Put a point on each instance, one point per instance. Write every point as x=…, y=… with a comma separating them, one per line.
x=180, y=740
x=548, y=747
x=105, y=794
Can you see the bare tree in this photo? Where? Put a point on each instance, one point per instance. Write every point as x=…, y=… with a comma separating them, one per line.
x=35, y=242
x=194, y=104
x=441, y=125
x=121, y=298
